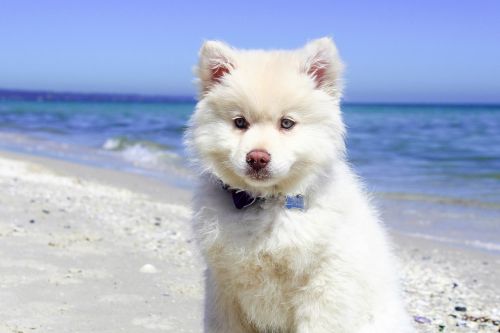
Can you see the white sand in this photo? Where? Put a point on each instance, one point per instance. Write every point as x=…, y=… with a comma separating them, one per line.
x=71, y=253
x=90, y=250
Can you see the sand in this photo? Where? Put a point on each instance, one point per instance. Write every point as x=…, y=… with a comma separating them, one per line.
x=85, y=249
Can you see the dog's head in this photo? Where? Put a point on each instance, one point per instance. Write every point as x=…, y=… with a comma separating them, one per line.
x=268, y=122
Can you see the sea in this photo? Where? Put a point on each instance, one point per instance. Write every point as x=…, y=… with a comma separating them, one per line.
x=433, y=170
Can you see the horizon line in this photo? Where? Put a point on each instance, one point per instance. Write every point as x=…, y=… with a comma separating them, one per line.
x=13, y=94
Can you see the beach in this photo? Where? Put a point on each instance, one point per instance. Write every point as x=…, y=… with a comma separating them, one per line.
x=89, y=249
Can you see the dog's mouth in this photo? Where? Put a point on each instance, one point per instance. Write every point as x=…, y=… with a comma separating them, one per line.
x=259, y=175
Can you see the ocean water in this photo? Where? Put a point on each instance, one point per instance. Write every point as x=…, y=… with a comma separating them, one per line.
x=434, y=170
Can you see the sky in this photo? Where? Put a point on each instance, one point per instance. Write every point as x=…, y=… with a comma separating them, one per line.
x=395, y=51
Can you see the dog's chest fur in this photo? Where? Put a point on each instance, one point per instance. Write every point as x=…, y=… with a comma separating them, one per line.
x=267, y=271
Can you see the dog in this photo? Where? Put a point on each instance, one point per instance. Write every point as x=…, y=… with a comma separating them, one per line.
x=290, y=239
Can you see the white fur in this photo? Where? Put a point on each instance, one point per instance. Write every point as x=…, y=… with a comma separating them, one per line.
x=270, y=269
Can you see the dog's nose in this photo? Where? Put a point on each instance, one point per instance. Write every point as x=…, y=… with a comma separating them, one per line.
x=258, y=159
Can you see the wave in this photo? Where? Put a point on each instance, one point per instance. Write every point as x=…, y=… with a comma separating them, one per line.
x=122, y=143
x=488, y=246
x=440, y=200
x=145, y=154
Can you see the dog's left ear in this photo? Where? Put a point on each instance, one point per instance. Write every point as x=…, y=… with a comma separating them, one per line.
x=216, y=60
x=322, y=63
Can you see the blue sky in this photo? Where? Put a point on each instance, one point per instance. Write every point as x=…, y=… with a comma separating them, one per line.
x=395, y=51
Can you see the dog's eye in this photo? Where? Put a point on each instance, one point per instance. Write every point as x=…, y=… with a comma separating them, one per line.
x=287, y=123
x=241, y=123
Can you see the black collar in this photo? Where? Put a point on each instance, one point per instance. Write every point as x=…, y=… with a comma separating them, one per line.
x=241, y=198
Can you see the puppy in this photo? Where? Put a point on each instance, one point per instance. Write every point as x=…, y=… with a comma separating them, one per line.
x=290, y=239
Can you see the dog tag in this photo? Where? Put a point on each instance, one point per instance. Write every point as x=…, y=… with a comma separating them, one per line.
x=294, y=202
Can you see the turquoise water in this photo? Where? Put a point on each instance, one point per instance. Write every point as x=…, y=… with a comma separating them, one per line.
x=435, y=170
x=452, y=151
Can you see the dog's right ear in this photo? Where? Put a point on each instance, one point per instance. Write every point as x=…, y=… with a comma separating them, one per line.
x=321, y=62
x=216, y=61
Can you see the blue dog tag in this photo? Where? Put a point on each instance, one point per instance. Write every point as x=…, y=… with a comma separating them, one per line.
x=294, y=202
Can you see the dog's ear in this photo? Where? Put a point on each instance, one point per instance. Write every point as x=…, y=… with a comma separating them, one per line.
x=322, y=63
x=216, y=59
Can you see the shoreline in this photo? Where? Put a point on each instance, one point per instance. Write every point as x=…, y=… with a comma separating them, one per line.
x=398, y=210
x=95, y=231
x=159, y=189
x=467, y=218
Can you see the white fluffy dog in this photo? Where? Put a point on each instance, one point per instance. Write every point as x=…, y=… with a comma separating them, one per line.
x=291, y=241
